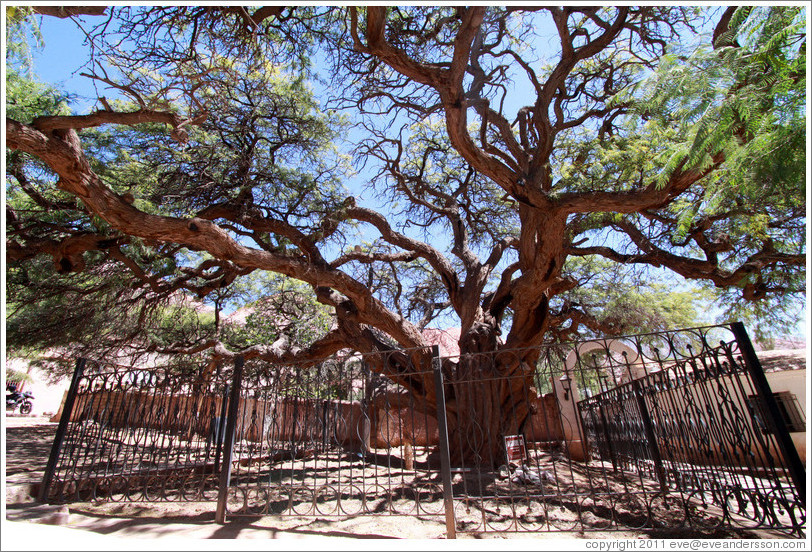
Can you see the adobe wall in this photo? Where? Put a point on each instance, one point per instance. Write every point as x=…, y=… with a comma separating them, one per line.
x=390, y=420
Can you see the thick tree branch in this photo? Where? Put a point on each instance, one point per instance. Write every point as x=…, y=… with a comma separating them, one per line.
x=699, y=269
x=651, y=197
x=69, y=11
x=67, y=253
x=279, y=352
x=98, y=118
x=64, y=156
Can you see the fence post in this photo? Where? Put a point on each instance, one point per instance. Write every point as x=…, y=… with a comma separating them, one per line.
x=231, y=424
x=219, y=429
x=445, y=455
x=784, y=440
x=61, y=430
x=607, y=437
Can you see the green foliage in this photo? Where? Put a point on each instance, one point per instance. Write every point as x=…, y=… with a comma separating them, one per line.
x=184, y=322
x=765, y=320
x=745, y=101
x=15, y=376
x=626, y=302
x=46, y=310
x=25, y=97
x=103, y=311
x=739, y=109
x=286, y=309
x=22, y=35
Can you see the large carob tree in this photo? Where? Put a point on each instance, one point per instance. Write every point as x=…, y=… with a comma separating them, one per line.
x=505, y=151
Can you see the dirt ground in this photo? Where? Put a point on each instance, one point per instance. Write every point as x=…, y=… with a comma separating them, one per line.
x=27, y=446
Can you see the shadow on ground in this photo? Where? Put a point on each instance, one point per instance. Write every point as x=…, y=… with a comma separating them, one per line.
x=27, y=450
x=199, y=526
x=28, y=445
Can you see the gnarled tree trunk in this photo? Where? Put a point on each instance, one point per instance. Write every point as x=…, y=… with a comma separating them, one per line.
x=489, y=394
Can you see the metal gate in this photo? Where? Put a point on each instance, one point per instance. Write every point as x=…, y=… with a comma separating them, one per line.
x=129, y=434
x=691, y=414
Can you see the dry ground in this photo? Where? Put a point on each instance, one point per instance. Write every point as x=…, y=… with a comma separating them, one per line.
x=28, y=443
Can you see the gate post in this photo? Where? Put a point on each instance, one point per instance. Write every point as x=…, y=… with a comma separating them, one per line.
x=61, y=430
x=445, y=455
x=765, y=394
x=228, y=449
x=607, y=437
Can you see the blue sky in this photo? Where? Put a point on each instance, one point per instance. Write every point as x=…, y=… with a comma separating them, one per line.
x=59, y=60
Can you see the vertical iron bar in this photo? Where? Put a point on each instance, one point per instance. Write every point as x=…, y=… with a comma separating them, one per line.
x=606, y=436
x=225, y=471
x=61, y=430
x=785, y=444
x=445, y=456
x=219, y=430
x=654, y=449
x=324, y=420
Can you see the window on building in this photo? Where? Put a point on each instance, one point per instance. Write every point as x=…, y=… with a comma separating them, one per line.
x=788, y=407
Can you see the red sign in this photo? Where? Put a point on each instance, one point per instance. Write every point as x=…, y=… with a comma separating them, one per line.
x=514, y=446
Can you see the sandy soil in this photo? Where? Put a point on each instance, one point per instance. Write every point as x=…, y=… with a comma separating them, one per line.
x=28, y=443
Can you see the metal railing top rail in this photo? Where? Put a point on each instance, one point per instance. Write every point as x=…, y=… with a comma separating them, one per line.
x=703, y=333
x=645, y=345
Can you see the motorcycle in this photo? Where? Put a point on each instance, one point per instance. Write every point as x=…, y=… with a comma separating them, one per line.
x=21, y=400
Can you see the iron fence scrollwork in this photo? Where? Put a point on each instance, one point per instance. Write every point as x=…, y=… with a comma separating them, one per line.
x=134, y=434
x=650, y=431
x=687, y=421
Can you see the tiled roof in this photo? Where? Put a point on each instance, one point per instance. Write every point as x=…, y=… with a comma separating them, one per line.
x=447, y=340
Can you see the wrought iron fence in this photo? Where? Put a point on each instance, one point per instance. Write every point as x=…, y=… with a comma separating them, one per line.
x=675, y=429
x=129, y=434
x=332, y=439
x=535, y=473
x=686, y=421
x=656, y=431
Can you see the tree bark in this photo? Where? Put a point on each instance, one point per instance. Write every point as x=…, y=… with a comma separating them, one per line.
x=490, y=394
x=69, y=11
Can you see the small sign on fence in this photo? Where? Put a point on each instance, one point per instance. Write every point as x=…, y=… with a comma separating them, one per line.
x=514, y=447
